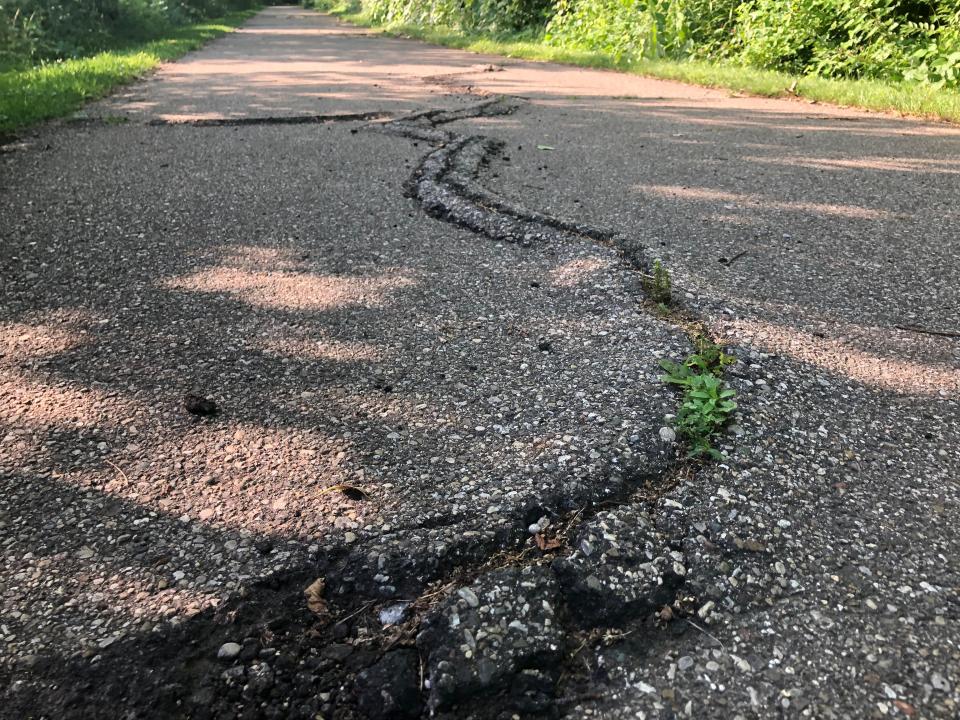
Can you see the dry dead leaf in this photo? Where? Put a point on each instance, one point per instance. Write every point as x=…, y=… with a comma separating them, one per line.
x=314, y=595
x=544, y=544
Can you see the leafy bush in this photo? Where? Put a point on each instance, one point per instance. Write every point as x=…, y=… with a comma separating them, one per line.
x=642, y=28
x=935, y=58
x=468, y=15
x=831, y=38
x=32, y=31
x=916, y=40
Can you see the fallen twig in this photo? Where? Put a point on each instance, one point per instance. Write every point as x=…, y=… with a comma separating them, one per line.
x=117, y=468
x=354, y=614
x=712, y=637
x=731, y=261
x=926, y=331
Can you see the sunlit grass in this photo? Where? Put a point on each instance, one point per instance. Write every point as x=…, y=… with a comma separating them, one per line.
x=907, y=98
x=59, y=88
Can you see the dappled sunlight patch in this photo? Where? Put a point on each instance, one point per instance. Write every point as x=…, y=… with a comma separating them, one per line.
x=751, y=201
x=240, y=477
x=579, y=271
x=931, y=166
x=883, y=371
x=294, y=290
x=99, y=600
x=851, y=125
x=52, y=334
x=29, y=404
x=345, y=351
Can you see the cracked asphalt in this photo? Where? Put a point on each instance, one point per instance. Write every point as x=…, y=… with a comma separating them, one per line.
x=425, y=349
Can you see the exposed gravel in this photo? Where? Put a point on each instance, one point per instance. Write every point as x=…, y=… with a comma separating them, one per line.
x=822, y=571
x=621, y=569
x=486, y=634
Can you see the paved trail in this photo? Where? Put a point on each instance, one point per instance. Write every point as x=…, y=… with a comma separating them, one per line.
x=409, y=278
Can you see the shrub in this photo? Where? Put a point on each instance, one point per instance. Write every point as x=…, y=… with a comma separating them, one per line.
x=32, y=31
x=467, y=15
x=917, y=40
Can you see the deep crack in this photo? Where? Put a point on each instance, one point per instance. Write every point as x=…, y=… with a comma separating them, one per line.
x=498, y=562
x=319, y=119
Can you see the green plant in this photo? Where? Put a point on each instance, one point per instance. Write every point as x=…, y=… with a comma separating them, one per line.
x=467, y=15
x=713, y=61
x=657, y=284
x=55, y=89
x=708, y=401
x=38, y=31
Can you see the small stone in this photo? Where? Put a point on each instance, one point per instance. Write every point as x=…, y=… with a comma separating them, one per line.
x=939, y=682
x=685, y=663
x=234, y=674
x=108, y=641
x=85, y=553
x=259, y=681
x=469, y=596
x=668, y=434
x=337, y=652
x=393, y=614
x=229, y=650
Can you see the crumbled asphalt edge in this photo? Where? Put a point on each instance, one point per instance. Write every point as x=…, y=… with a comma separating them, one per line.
x=444, y=183
x=272, y=614
x=10, y=142
x=273, y=120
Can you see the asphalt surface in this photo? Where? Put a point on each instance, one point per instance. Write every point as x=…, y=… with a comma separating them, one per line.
x=427, y=340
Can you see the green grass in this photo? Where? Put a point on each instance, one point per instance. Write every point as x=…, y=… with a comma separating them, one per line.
x=901, y=97
x=56, y=89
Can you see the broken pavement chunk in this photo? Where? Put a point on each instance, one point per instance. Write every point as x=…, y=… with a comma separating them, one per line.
x=621, y=569
x=390, y=688
x=476, y=647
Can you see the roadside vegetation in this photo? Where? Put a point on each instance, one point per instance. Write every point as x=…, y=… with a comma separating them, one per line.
x=57, y=54
x=708, y=402
x=898, y=55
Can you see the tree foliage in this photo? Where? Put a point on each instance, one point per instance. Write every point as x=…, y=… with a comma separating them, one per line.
x=914, y=40
x=38, y=30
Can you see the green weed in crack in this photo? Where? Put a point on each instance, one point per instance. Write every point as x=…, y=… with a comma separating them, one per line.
x=657, y=284
x=708, y=402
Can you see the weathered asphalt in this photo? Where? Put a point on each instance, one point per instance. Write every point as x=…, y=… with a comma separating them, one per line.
x=470, y=385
